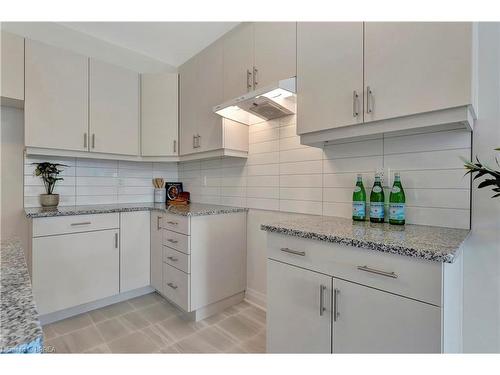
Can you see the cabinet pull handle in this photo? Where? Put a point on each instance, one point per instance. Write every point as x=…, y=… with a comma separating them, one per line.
x=355, y=97
x=93, y=140
x=322, y=307
x=172, y=241
x=173, y=259
x=198, y=143
x=172, y=222
x=255, y=71
x=175, y=145
x=82, y=223
x=392, y=275
x=369, y=100
x=294, y=252
x=336, y=312
x=194, y=141
x=249, y=76
x=116, y=240
x=85, y=140
x=172, y=285
x=158, y=222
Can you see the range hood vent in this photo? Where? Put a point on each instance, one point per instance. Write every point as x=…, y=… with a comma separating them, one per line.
x=264, y=104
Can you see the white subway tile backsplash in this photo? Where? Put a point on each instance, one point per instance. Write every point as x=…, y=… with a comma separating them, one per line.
x=301, y=180
x=264, y=135
x=302, y=167
x=257, y=148
x=361, y=164
x=304, y=194
x=303, y=207
x=355, y=149
x=302, y=154
x=447, y=159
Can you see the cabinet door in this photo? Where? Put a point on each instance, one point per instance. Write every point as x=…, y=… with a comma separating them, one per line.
x=189, y=95
x=73, y=269
x=56, y=98
x=238, y=61
x=373, y=321
x=210, y=86
x=295, y=320
x=134, y=250
x=159, y=114
x=156, y=252
x=415, y=67
x=329, y=75
x=275, y=51
x=12, y=69
x=114, y=109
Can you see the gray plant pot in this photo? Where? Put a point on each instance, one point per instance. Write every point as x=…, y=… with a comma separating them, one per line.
x=49, y=200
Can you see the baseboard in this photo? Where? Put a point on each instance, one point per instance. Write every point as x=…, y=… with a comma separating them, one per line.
x=80, y=309
x=256, y=298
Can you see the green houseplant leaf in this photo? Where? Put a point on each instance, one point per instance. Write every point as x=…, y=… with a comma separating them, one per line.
x=49, y=173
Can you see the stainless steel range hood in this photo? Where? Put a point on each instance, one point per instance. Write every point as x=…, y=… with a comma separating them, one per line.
x=263, y=104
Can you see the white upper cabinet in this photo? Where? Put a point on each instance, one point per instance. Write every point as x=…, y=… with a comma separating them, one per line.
x=12, y=67
x=274, y=52
x=329, y=75
x=416, y=67
x=238, y=61
x=188, y=95
x=159, y=114
x=114, y=109
x=56, y=100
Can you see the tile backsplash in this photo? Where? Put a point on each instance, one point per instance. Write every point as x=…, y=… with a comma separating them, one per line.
x=280, y=174
x=93, y=181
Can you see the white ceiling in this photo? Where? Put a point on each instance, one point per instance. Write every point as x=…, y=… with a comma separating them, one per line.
x=170, y=42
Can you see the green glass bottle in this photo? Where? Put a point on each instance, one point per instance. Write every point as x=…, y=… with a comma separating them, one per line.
x=397, y=202
x=377, y=201
x=359, y=200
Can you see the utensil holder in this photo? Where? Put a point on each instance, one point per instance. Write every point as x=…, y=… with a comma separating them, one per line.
x=160, y=195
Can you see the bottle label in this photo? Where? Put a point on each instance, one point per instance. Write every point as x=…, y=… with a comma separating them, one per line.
x=359, y=209
x=377, y=210
x=377, y=189
x=396, y=211
x=396, y=189
x=357, y=189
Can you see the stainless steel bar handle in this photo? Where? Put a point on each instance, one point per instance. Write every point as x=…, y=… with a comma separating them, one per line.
x=255, y=71
x=369, y=100
x=173, y=259
x=84, y=140
x=249, y=77
x=175, y=145
x=198, y=143
x=116, y=240
x=93, y=140
x=194, y=141
x=336, y=312
x=172, y=285
x=172, y=241
x=322, y=307
x=392, y=275
x=355, y=111
x=294, y=252
x=172, y=222
x=82, y=223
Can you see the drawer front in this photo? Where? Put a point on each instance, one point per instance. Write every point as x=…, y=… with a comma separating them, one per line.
x=410, y=277
x=176, y=259
x=176, y=223
x=176, y=286
x=47, y=226
x=177, y=241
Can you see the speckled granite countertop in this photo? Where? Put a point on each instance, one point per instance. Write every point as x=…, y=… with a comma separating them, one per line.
x=20, y=330
x=193, y=209
x=431, y=243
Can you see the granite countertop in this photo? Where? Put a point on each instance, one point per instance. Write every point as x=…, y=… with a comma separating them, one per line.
x=20, y=329
x=193, y=209
x=431, y=243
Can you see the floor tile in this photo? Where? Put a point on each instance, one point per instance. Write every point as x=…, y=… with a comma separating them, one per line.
x=147, y=299
x=49, y=332
x=82, y=339
x=256, y=344
x=193, y=344
x=112, y=329
x=215, y=337
x=56, y=346
x=97, y=315
x=117, y=309
x=101, y=349
x=157, y=312
x=215, y=318
x=239, y=327
x=178, y=328
x=157, y=335
x=134, y=320
x=136, y=342
x=169, y=349
x=242, y=305
x=256, y=314
x=71, y=324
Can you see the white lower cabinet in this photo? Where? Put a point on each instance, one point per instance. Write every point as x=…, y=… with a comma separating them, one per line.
x=156, y=254
x=300, y=310
x=73, y=269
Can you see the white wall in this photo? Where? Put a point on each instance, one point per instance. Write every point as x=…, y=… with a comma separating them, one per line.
x=95, y=181
x=482, y=249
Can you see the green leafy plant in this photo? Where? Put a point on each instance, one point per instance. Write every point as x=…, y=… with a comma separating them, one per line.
x=49, y=173
x=482, y=170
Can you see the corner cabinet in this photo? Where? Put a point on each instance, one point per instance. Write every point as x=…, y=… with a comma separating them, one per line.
x=350, y=300
x=357, y=79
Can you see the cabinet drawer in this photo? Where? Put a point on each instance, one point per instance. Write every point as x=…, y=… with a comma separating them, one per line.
x=176, y=259
x=411, y=277
x=47, y=226
x=176, y=241
x=177, y=223
x=176, y=286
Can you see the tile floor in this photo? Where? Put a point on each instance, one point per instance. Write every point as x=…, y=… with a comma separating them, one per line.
x=149, y=324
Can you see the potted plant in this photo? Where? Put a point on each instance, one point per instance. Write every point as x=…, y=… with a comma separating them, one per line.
x=49, y=173
x=482, y=170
